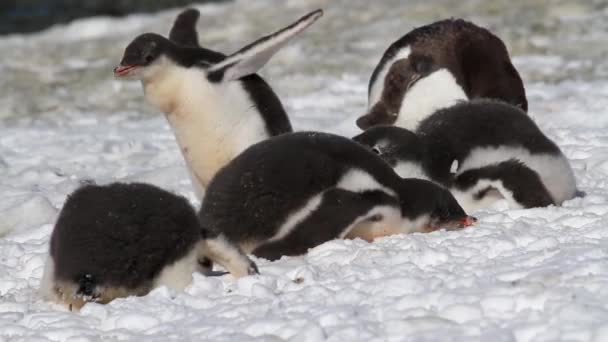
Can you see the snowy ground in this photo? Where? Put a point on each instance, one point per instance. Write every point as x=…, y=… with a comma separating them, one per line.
x=518, y=275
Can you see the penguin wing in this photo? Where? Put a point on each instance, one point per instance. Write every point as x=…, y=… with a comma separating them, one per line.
x=183, y=31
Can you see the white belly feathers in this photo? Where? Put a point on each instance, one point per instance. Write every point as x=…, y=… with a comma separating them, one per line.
x=212, y=122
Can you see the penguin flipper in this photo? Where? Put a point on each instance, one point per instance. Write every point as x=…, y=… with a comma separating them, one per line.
x=332, y=219
x=183, y=31
x=253, y=57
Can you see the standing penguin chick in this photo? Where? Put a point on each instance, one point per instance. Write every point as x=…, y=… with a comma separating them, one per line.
x=216, y=105
x=121, y=240
x=482, y=150
x=293, y=192
x=433, y=66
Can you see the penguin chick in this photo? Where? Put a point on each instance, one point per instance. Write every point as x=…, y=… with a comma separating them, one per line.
x=293, y=192
x=122, y=240
x=436, y=65
x=216, y=105
x=483, y=151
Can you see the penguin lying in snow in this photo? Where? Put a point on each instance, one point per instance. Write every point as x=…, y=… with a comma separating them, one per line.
x=121, y=240
x=216, y=105
x=482, y=150
x=436, y=65
x=295, y=191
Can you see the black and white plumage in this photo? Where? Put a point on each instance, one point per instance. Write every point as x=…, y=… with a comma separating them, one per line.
x=482, y=150
x=436, y=65
x=122, y=239
x=293, y=192
x=216, y=105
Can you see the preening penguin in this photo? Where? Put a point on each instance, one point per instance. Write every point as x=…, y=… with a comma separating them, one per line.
x=123, y=240
x=436, y=65
x=216, y=105
x=482, y=150
x=295, y=191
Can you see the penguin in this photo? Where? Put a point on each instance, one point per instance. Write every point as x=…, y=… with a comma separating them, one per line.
x=124, y=239
x=216, y=105
x=295, y=191
x=482, y=150
x=436, y=65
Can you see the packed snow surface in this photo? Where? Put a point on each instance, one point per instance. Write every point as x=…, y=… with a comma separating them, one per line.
x=517, y=275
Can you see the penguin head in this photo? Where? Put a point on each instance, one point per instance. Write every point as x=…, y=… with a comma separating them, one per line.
x=402, y=75
x=393, y=144
x=427, y=207
x=142, y=56
x=413, y=88
x=447, y=213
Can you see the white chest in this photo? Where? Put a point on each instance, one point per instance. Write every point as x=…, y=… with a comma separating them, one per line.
x=435, y=91
x=212, y=123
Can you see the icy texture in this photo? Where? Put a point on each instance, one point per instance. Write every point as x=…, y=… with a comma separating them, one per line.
x=518, y=275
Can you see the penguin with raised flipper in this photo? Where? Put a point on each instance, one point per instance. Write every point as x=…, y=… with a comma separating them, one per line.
x=293, y=192
x=436, y=65
x=122, y=240
x=482, y=150
x=216, y=105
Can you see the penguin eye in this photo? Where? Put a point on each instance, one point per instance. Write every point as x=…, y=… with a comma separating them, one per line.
x=443, y=212
x=375, y=218
x=376, y=150
x=149, y=58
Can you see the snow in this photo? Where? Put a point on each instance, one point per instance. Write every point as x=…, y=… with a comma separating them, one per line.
x=517, y=275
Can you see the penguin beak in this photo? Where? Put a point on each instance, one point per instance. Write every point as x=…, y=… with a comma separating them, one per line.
x=459, y=224
x=467, y=221
x=124, y=70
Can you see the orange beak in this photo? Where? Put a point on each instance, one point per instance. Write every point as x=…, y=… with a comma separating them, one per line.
x=468, y=221
x=123, y=70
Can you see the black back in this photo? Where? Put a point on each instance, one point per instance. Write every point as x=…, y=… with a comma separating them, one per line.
x=121, y=234
x=268, y=104
x=477, y=58
x=260, y=93
x=452, y=133
x=251, y=196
